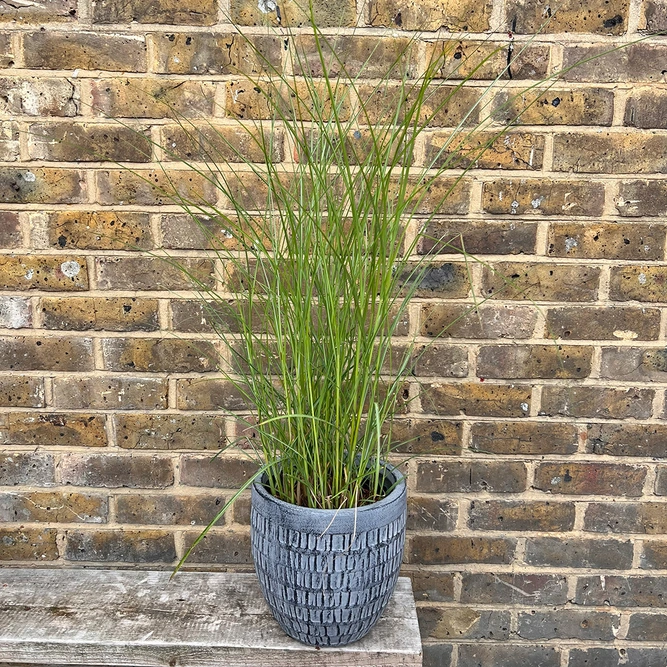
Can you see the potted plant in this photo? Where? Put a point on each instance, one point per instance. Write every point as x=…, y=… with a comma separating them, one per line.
x=319, y=272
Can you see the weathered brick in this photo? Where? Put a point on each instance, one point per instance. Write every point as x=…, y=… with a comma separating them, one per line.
x=170, y=12
x=440, y=360
x=437, y=655
x=484, y=150
x=153, y=188
x=653, y=555
x=244, y=101
x=534, y=361
x=69, y=142
x=463, y=623
x=471, y=59
x=646, y=440
x=115, y=393
x=26, y=353
x=9, y=142
x=616, y=657
x=42, y=186
x=220, y=143
x=84, y=50
x=10, y=229
x=367, y=56
x=168, y=509
x=21, y=392
x=541, y=282
x=446, y=549
x=590, y=478
x=151, y=98
x=425, y=436
x=221, y=472
x=7, y=58
x=15, y=312
x=113, y=471
x=638, y=283
x=443, y=279
x=521, y=515
x=488, y=400
x=619, y=591
x=646, y=108
x=447, y=236
x=634, y=363
x=607, y=240
x=661, y=481
x=43, y=272
x=654, y=16
x=210, y=394
x=578, y=552
x=189, y=232
x=505, y=196
x=154, y=273
x=52, y=11
x=636, y=63
x=47, y=429
x=586, y=323
x=158, y=355
x=199, y=316
x=566, y=624
x=486, y=321
x=18, y=543
x=470, y=476
x=649, y=518
x=100, y=314
x=514, y=588
x=53, y=506
x=98, y=230
x=38, y=97
x=556, y=106
x=608, y=18
x=647, y=627
x=169, y=432
x=27, y=468
x=610, y=153
x=333, y=14
x=642, y=198
x=229, y=547
x=528, y=438
x=432, y=586
x=444, y=106
x=428, y=513
x=507, y=655
x=208, y=53
x=590, y=401
x=128, y=546
x=458, y=16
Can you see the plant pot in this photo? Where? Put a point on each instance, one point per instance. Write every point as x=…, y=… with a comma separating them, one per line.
x=327, y=575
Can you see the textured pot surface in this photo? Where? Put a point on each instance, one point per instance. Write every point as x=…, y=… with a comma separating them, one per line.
x=327, y=575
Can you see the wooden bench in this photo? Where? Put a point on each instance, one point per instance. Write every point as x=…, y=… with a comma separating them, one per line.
x=199, y=619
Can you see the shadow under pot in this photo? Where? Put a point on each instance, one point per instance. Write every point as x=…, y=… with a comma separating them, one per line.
x=327, y=575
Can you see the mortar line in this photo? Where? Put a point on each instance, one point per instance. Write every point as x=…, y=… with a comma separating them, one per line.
x=658, y=407
x=635, y=17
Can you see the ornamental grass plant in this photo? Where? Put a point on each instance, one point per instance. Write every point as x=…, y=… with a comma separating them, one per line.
x=320, y=241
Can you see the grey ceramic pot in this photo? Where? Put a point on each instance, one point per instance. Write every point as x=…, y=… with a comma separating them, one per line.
x=327, y=575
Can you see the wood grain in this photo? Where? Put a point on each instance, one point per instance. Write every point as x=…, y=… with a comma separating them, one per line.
x=121, y=618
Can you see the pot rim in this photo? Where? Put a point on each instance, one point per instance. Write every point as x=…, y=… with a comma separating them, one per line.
x=326, y=521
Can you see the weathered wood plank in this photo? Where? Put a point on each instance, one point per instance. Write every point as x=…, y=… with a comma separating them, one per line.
x=122, y=618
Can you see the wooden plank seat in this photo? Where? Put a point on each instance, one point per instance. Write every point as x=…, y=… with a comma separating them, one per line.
x=131, y=618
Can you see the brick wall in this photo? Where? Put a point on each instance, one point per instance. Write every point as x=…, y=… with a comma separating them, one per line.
x=538, y=526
